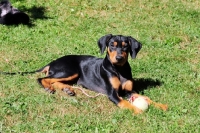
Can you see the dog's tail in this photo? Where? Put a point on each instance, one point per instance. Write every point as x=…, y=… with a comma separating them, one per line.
x=23, y=73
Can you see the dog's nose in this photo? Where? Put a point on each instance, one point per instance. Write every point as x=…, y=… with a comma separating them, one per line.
x=119, y=58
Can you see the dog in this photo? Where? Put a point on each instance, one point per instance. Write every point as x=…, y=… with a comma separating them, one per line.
x=110, y=75
x=12, y=16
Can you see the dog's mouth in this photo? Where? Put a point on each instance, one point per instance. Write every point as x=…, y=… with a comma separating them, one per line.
x=117, y=58
x=119, y=62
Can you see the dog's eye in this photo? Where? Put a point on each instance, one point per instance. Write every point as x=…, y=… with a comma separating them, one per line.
x=112, y=45
x=125, y=47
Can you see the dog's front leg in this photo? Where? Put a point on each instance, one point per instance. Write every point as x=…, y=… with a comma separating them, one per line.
x=157, y=105
x=114, y=97
x=124, y=104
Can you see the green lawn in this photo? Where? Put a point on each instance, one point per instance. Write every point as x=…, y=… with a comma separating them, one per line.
x=167, y=69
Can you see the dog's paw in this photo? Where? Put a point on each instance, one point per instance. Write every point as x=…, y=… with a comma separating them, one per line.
x=68, y=91
x=164, y=107
x=49, y=90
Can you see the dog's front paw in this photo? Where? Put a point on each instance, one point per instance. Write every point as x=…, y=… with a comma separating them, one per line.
x=127, y=105
x=163, y=107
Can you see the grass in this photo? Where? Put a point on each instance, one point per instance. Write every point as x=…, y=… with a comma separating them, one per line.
x=167, y=68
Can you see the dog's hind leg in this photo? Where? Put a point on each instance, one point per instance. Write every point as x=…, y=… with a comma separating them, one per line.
x=64, y=87
x=51, y=84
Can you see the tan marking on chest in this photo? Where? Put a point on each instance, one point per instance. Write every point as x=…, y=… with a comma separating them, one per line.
x=128, y=85
x=115, y=82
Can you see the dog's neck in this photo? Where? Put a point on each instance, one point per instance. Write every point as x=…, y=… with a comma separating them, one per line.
x=116, y=69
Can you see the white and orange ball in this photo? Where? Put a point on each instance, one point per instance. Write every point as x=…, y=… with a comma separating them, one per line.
x=139, y=102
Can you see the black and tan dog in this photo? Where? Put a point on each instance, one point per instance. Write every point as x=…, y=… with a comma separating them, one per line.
x=111, y=75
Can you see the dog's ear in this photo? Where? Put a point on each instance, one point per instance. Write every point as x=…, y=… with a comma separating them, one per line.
x=135, y=46
x=102, y=42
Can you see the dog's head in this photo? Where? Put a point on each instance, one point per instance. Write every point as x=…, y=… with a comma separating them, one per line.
x=118, y=48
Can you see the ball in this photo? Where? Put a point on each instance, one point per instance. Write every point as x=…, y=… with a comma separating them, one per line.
x=140, y=103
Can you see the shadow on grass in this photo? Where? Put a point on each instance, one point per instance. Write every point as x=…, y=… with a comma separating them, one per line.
x=34, y=13
x=143, y=84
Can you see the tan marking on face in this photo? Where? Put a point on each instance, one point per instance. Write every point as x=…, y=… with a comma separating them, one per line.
x=125, y=58
x=115, y=44
x=128, y=85
x=123, y=44
x=125, y=55
x=112, y=56
x=115, y=82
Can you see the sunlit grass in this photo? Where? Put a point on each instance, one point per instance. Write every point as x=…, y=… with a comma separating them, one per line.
x=169, y=32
